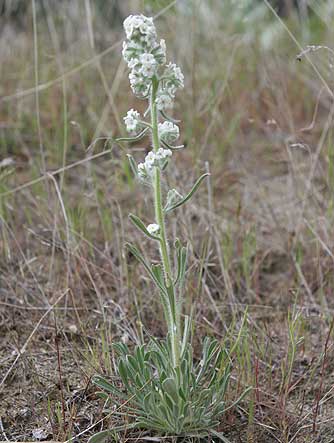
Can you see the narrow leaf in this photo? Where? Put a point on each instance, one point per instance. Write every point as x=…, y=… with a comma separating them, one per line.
x=100, y=437
x=102, y=383
x=181, y=263
x=103, y=395
x=133, y=165
x=132, y=139
x=141, y=259
x=171, y=147
x=186, y=333
x=188, y=196
x=238, y=400
x=220, y=436
x=169, y=118
x=158, y=272
x=141, y=226
x=121, y=349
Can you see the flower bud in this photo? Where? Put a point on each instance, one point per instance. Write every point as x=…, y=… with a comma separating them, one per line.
x=174, y=78
x=164, y=101
x=173, y=196
x=132, y=121
x=139, y=28
x=168, y=132
x=153, y=228
x=148, y=65
x=142, y=172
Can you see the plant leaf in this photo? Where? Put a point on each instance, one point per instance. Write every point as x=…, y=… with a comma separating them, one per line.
x=181, y=263
x=141, y=259
x=121, y=349
x=188, y=196
x=132, y=139
x=171, y=147
x=123, y=372
x=103, y=395
x=100, y=437
x=141, y=226
x=238, y=400
x=158, y=272
x=169, y=118
x=102, y=383
x=220, y=436
x=133, y=165
x=186, y=333
x=170, y=387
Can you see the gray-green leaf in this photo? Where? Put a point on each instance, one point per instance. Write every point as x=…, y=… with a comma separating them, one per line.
x=141, y=226
x=188, y=196
x=100, y=437
x=133, y=164
x=132, y=139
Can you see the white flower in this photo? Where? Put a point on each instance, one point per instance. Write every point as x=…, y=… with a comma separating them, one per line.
x=148, y=70
x=157, y=158
x=132, y=120
x=162, y=154
x=168, y=131
x=141, y=28
x=150, y=161
x=131, y=23
x=128, y=52
x=164, y=101
x=139, y=84
x=147, y=59
x=149, y=65
x=153, y=228
x=174, y=78
x=133, y=63
x=142, y=173
x=159, y=52
x=175, y=73
x=147, y=26
x=135, y=78
x=153, y=159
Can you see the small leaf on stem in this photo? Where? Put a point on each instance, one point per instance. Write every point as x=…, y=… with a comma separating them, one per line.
x=141, y=226
x=188, y=196
x=132, y=139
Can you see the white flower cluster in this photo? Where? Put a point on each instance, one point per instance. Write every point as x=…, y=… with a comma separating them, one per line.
x=168, y=132
x=153, y=228
x=153, y=159
x=142, y=52
x=132, y=121
x=146, y=58
x=164, y=101
x=172, y=80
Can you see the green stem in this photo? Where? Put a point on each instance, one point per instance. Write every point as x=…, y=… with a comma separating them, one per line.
x=160, y=220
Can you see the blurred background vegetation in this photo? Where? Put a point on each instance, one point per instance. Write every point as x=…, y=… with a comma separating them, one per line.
x=257, y=112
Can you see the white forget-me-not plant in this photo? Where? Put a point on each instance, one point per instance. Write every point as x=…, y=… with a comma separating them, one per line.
x=162, y=387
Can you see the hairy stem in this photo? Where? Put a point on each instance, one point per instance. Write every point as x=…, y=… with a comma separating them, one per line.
x=172, y=323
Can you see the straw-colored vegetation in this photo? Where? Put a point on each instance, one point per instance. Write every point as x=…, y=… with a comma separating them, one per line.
x=257, y=114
